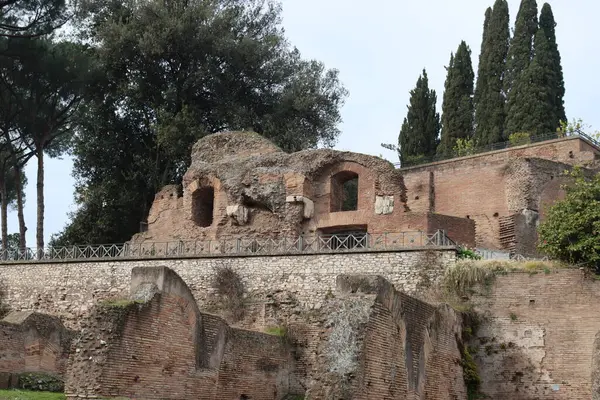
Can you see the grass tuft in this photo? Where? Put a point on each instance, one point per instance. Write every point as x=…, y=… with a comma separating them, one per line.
x=29, y=395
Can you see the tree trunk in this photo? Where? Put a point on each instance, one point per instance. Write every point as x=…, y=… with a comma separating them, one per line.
x=21, y=216
x=40, y=200
x=4, y=215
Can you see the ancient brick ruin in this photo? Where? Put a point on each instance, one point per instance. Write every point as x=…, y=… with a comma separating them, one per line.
x=158, y=345
x=241, y=185
x=32, y=342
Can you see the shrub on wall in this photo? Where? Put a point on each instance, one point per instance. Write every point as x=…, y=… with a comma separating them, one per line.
x=230, y=288
x=464, y=147
x=519, y=139
x=571, y=230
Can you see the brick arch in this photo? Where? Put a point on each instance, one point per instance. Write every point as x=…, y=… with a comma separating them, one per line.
x=204, y=202
x=328, y=179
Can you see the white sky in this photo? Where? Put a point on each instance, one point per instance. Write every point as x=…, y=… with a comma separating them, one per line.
x=380, y=49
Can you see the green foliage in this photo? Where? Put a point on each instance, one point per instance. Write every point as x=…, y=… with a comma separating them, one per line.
x=467, y=254
x=513, y=316
x=280, y=331
x=531, y=104
x=556, y=84
x=29, y=395
x=462, y=277
x=519, y=138
x=119, y=303
x=470, y=374
x=31, y=18
x=575, y=127
x=40, y=382
x=174, y=73
x=521, y=51
x=489, y=95
x=457, y=106
x=418, y=137
x=464, y=147
x=571, y=229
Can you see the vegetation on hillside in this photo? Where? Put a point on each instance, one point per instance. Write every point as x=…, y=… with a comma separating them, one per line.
x=571, y=229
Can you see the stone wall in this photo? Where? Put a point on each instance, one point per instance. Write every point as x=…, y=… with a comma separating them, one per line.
x=69, y=290
x=537, y=336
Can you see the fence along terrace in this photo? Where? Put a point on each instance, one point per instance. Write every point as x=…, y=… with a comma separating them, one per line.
x=310, y=244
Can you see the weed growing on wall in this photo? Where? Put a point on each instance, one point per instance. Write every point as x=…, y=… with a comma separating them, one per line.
x=230, y=288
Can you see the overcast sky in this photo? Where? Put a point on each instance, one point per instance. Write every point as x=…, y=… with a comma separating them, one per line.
x=380, y=49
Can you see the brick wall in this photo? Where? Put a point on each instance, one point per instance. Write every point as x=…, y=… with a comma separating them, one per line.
x=537, y=337
x=69, y=290
x=165, y=348
x=493, y=187
x=383, y=344
x=32, y=342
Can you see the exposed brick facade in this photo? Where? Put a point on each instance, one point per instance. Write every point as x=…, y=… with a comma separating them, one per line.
x=478, y=200
x=264, y=192
x=537, y=337
x=506, y=192
x=165, y=348
x=33, y=342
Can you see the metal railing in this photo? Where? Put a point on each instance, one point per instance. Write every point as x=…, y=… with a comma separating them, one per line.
x=332, y=243
x=498, y=146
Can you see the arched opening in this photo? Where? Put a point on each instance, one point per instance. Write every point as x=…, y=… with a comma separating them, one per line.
x=344, y=191
x=203, y=201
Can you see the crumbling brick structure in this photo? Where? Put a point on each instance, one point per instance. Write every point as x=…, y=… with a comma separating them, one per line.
x=505, y=192
x=158, y=345
x=241, y=185
x=33, y=342
x=384, y=344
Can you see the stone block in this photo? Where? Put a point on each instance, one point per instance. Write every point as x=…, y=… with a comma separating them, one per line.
x=384, y=205
x=238, y=213
x=309, y=205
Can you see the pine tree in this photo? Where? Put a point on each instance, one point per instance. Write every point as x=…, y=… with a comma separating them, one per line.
x=520, y=52
x=457, y=107
x=483, y=60
x=557, y=87
x=531, y=104
x=489, y=108
x=418, y=137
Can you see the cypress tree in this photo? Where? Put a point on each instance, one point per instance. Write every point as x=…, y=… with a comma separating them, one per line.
x=557, y=85
x=457, y=106
x=418, y=137
x=520, y=52
x=490, y=107
x=483, y=59
x=531, y=103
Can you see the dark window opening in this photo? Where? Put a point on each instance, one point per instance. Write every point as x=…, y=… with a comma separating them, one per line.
x=344, y=191
x=203, y=201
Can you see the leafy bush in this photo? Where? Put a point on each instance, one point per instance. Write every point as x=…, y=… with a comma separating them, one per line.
x=464, y=147
x=467, y=254
x=571, y=230
x=519, y=139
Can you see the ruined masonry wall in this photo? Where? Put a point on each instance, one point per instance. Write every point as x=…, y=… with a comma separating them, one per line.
x=69, y=290
x=537, y=338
